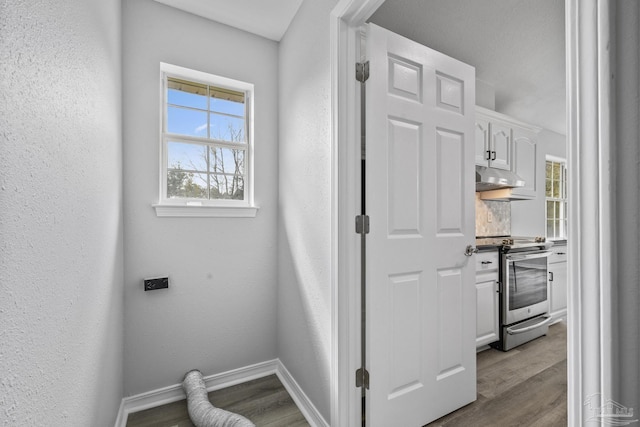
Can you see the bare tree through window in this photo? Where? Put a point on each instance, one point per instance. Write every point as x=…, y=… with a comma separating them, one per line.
x=209, y=162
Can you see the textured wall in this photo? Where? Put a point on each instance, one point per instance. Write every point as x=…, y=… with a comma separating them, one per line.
x=304, y=276
x=219, y=312
x=60, y=213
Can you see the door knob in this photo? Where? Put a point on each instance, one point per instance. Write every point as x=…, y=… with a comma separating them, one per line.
x=470, y=250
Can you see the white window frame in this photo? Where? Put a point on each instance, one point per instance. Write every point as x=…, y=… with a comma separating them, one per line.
x=564, y=199
x=188, y=207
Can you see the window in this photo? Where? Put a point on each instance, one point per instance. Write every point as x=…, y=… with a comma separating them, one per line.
x=556, y=198
x=206, y=145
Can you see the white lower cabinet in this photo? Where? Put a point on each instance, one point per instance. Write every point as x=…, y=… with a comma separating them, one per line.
x=487, y=303
x=558, y=281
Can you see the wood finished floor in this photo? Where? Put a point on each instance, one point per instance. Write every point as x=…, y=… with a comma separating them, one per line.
x=526, y=386
x=264, y=401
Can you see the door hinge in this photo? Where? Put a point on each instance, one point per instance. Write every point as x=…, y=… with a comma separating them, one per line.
x=362, y=71
x=362, y=224
x=362, y=378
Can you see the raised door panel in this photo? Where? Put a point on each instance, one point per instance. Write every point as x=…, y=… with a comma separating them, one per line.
x=500, y=146
x=482, y=142
x=525, y=161
x=487, y=311
x=420, y=296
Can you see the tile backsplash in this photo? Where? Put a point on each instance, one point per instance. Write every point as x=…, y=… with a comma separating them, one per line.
x=500, y=213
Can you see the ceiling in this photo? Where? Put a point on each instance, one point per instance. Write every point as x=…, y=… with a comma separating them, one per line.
x=266, y=18
x=517, y=46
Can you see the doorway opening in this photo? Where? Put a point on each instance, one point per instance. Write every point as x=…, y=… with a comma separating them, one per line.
x=587, y=32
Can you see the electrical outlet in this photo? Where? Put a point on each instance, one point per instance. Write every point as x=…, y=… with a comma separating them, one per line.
x=156, y=283
x=489, y=216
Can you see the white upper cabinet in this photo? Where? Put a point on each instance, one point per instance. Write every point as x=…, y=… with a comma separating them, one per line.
x=483, y=151
x=505, y=143
x=525, y=165
x=501, y=137
x=493, y=143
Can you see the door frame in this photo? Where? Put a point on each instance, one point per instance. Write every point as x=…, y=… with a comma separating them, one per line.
x=589, y=158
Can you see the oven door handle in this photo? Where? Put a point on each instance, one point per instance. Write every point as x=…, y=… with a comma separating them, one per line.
x=515, y=331
x=539, y=254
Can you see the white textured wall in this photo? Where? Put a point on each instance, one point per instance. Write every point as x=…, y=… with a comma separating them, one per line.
x=528, y=216
x=60, y=213
x=219, y=312
x=304, y=293
x=627, y=166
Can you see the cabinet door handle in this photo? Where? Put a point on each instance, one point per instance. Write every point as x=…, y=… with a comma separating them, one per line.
x=488, y=155
x=493, y=155
x=551, y=276
x=561, y=253
x=486, y=262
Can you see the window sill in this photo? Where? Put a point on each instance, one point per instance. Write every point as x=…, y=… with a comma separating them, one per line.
x=205, y=211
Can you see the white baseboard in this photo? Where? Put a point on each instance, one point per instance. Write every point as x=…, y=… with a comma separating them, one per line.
x=300, y=398
x=174, y=393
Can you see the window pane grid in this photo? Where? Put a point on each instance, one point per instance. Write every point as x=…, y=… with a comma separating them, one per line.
x=201, y=110
x=242, y=175
x=556, y=204
x=206, y=141
x=219, y=113
x=186, y=107
x=235, y=122
x=222, y=174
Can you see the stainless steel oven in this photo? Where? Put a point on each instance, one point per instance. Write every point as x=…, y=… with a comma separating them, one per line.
x=524, y=288
x=525, y=285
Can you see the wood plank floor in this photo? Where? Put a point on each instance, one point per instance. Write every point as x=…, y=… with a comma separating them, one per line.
x=526, y=386
x=264, y=401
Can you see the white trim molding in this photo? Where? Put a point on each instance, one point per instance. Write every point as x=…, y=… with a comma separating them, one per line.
x=590, y=160
x=314, y=418
x=347, y=17
x=174, y=393
x=194, y=211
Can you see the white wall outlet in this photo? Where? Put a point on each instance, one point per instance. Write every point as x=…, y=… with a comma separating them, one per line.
x=489, y=216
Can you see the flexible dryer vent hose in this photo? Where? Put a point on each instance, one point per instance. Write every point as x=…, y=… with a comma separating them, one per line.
x=201, y=411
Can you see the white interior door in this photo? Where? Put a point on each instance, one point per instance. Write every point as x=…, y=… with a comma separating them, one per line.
x=420, y=178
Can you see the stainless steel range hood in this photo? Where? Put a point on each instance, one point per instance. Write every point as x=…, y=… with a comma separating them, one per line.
x=488, y=179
